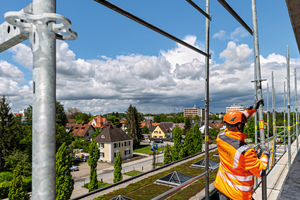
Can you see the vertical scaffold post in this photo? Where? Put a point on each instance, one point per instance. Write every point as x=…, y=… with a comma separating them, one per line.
x=284, y=118
x=259, y=90
x=43, y=44
x=207, y=23
x=288, y=107
x=273, y=156
x=296, y=106
x=268, y=116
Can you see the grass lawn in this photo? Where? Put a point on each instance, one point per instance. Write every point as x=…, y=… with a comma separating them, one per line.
x=100, y=185
x=159, y=164
x=133, y=173
x=145, y=187
x=147, y=150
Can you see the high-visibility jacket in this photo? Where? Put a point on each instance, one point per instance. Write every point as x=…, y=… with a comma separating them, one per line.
x=238, y=164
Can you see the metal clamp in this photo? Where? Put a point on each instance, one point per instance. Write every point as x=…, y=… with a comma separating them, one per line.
x=25, y=22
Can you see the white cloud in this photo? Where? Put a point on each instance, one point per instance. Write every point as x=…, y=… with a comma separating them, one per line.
x=235, y=36
x=154, y=84
x=10, y=71
x=221, y=35
x=238, y=33
x=22, y=55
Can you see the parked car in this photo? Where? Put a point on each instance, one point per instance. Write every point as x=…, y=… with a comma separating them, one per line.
x=74, y=168
x=159, y=141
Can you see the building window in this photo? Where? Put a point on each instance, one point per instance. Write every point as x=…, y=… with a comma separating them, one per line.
x=87, y=134
x=101, y=145
x=155, y=131
x=160, y=137
x=127, y=152
x=159, y=131
x=115, y=154
x=102, y=154
x=116, y=145
x=154, y=136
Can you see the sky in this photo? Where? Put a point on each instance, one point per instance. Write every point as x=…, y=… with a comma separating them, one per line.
x=116, y=62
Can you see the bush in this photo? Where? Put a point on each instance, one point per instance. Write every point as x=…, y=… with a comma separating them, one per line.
x=6, y=176
x=4, y=187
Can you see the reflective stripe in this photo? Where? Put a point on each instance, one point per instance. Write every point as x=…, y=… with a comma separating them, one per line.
x=264, y=159
x=239, y=178
x=237, y=155
x=233, y=142
x=238, y=187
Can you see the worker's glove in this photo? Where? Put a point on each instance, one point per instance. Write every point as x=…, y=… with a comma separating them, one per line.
x=257, y=103
x=265, y=150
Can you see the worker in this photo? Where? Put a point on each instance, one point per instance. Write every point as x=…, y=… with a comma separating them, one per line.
x=238, y=161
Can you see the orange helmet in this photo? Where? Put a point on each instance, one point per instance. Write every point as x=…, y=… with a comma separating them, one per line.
x=234, y=117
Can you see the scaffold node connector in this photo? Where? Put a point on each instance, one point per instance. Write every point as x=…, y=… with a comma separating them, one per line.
x=25, y=22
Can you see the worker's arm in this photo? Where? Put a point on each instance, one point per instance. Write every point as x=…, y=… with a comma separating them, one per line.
x=252, y=109
x=255, y=165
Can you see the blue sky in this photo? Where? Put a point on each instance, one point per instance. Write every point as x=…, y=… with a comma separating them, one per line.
x=116, y=62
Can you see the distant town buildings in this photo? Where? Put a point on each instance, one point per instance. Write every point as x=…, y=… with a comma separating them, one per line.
x=236, y=106
x=192, y=112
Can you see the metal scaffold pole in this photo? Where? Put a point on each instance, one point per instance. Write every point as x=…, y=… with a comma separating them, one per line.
x=268, y=116
x=284, y=118
x=273, y=157
x=207, y=23
x=43, y=44
x=288, y=107
x=258, y=88
x=296, y=106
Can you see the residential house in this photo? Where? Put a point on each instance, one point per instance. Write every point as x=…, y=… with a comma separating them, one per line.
x=112, y=141
x=212, y=125
x=181, y=125
x=84, y=131
x=69, y=124
x=162, y=131
x=99, y=122
x=170, y=124
x=147, y=123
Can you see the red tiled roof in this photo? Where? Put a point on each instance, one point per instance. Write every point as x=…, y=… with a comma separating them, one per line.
x=123, y=122
x=70, y=123
x=71, y=120
x=81, y=130
x=216, y=125
x=100, y=122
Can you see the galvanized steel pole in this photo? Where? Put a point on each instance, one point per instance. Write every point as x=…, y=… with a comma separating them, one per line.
x=288, y=107
x=296, y=100
x=284, y=118
x=274, y=123
x=207, y=23
x=268, y=116
x=43, y=44
x=259, y=90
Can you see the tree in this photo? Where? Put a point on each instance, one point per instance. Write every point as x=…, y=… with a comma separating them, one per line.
x=63, y=136
x=82, y=118
x=177, y=143
x=79, y=144
x=25, y=144
x=213, y=117
x=18, y=158
x=168, y=154
x=196, y=117
x=9, y=131
x=197, y=138
x=187, y=125
x=61, y=117
x=250, y=129
x=133, y=118
x=188, y=145
x=64, y=181
x=146, y=130
x=92, y=161
x=16, y=189
x=118, y=169
x=72, y=112
x=113, y=120
x=96, y=133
